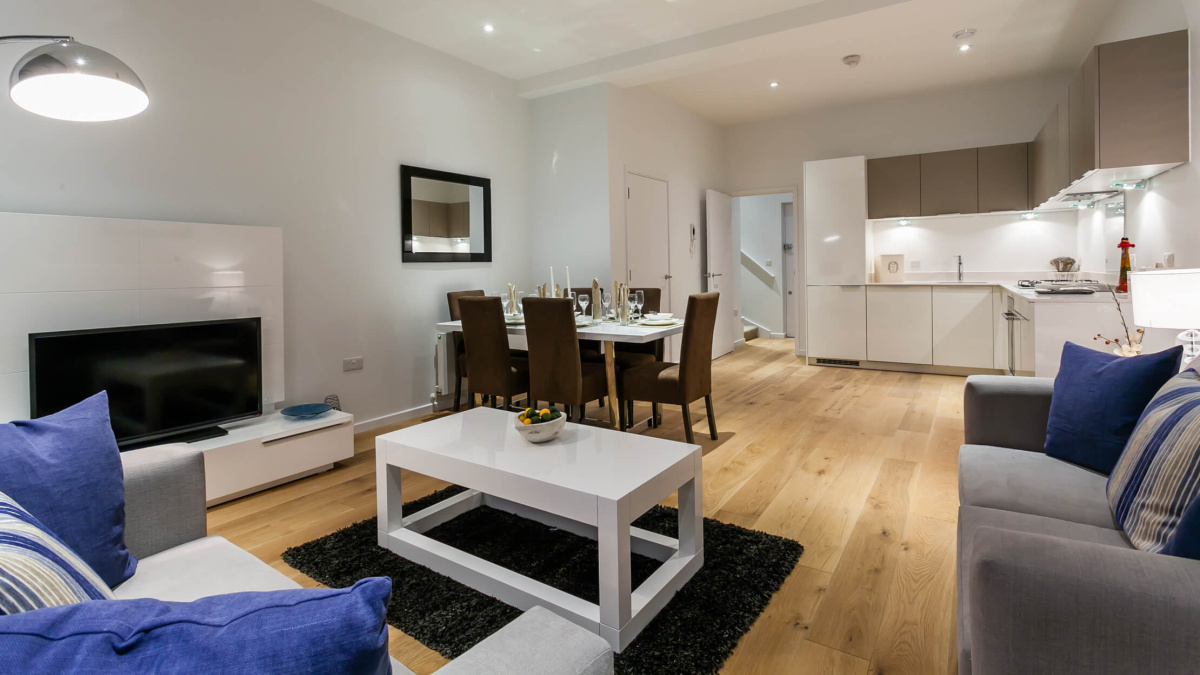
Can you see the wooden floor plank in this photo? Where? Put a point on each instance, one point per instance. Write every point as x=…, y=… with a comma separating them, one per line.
x=815, y=454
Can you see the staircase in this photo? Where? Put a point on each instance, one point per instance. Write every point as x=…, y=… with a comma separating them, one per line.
x=749, y=331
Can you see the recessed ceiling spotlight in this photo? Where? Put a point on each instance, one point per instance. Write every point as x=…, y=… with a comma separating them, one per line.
x=852, y=60
x=487, y=28
x=904, y=222
x=1029, y=216
x=964, y=36
x=774, y=85
x=537, y=49
x=964, y=48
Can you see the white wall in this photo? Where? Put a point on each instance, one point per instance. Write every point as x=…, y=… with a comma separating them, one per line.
x=760, y=224
x=652, y=135
x=994, y=247
x=772, y=153
x=569, y=175
x=288, y=114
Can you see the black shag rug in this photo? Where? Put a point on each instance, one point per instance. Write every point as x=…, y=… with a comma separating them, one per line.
x=694, y=633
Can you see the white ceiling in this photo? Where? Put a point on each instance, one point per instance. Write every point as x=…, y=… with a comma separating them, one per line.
x=568, y=32
x=718, y=57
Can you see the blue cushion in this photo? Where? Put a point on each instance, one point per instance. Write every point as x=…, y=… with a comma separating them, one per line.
x=299, y=631
x=37, y=570
x=1185, y=541
x=1097, y=400
x=1153, y=489
x=65, y=470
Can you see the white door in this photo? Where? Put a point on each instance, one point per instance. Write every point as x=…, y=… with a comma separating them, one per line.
x=719, y=273
x=647, y=239
x=789, y=269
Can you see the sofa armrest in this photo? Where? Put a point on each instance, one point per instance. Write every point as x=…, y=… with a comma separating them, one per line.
x=1043, y=604
x=1007, y=412
x=539, y=642
x=164, y=498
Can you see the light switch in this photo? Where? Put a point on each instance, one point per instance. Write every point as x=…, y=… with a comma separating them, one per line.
x=768, y=263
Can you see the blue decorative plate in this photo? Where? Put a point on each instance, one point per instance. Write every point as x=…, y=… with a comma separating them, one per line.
x=306, y=410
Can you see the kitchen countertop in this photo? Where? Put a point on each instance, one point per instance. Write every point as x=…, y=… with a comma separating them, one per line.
x=1027, y=293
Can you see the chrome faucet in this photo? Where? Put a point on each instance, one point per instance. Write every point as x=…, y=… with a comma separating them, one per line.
x=959, y=267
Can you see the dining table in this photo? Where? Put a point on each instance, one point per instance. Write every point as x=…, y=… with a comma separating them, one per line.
x=608, y=333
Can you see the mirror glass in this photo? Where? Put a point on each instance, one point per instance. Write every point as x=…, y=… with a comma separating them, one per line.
x=446, y=217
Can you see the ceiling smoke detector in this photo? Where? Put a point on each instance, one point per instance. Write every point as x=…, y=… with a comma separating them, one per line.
x=852, y=60
x=965, y=34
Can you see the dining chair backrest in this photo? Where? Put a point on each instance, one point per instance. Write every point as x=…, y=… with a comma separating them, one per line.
x=695, y=360
x=452, y=300
x=486, y=338
x=555, y=371
x=652, y=297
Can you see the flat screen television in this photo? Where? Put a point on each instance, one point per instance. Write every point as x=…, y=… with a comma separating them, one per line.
x=165, y=383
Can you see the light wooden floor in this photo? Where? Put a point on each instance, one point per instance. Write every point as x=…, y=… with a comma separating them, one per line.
x=858, y=466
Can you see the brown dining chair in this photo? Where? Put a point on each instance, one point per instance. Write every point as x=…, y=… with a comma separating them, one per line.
x=684, y=382
x=589, y=350
x=556, y=373
x=630, y=354
x=460, y=352
x=494, y=371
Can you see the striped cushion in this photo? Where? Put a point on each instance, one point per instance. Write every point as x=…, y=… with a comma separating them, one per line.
x=1158, y=475
x=36, y=569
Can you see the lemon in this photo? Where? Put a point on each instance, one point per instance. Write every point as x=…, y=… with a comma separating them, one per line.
x=526, y=421
x=545, y=411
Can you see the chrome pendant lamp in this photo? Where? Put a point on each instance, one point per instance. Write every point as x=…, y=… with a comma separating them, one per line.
x=68, y=80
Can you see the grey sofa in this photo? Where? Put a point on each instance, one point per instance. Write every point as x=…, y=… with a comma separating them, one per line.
x=1047, y=582
x=166, y=528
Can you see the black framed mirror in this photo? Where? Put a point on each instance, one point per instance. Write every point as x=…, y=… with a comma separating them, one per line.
x=445, y=217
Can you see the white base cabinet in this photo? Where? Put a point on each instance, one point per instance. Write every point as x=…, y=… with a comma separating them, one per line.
x=963, y=326
x=837, y=322
x=900, y=324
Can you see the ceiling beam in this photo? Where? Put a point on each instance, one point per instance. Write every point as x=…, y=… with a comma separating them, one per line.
x=597, y=71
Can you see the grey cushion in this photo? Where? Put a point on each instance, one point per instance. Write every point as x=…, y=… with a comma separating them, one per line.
x=537, y=643
x=164, y=498
x=200, y=568
x=1031, y=482
x=1055, y=604
x=1007, y=412
x=971, y=519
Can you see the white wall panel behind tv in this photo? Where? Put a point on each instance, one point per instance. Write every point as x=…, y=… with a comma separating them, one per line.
x=73, y=273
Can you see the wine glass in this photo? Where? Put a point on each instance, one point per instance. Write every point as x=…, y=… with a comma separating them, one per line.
x=520, y=308
x=605, y=302
x=583, y=303
x=504, y=300
x=639, y=299
x=571, y=295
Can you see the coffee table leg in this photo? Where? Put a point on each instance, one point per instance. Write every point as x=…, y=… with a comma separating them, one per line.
x=612, y=537
x=387, y=495
x=691, y=512
x=610, y=368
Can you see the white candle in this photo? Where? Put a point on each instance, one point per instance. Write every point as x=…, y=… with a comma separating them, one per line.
x=567, y=292
x=552, y=281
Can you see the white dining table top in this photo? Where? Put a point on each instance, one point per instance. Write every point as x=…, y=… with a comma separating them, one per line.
x=605, y=332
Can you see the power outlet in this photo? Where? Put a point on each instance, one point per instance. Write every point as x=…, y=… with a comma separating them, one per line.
x=353, y=363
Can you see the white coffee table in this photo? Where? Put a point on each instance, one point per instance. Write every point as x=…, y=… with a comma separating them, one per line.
x=589, y=481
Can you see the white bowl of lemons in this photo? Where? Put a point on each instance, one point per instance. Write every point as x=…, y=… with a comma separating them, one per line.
x=540, y=426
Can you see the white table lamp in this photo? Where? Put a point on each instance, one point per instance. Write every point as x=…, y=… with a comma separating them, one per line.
x=1169, y=299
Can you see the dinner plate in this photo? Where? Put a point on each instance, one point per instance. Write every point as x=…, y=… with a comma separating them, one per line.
x=658, y=322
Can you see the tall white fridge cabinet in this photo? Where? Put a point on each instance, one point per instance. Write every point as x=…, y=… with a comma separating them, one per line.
x=835, y=227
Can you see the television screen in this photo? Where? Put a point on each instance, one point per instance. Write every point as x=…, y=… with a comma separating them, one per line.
x=163, y=381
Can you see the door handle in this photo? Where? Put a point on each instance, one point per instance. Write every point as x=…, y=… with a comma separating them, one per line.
x=711, y=275
x=668, y=276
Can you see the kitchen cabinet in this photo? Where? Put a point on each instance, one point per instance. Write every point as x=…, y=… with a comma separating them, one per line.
x=837, y=322
x=420, y=218
x=1083, y=111
x=460, y=219
x=1004, y=178
x=439, y=219
x=835, y=214
x=963, y=326
x=950, y=182
x=900, y=324
x=1142, y=101
x=1048, y=157
x=894, y=187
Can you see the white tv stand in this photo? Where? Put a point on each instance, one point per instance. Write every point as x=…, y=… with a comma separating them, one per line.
x=271, y=450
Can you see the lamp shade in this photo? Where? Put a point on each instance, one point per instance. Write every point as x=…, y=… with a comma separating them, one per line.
x=1166, y=298
x=70, y=81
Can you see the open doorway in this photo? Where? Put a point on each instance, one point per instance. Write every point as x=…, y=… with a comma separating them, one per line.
x=765, y=225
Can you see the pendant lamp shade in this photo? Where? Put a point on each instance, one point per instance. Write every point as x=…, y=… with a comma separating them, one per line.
x=70, y=81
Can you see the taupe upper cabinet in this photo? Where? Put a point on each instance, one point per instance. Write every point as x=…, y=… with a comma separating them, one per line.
x=460, y=219
x=1004, y=178
x=950, y=182
x=1048, y=157
x=1083, y=113
x=894, y=187
x=420, y=218
x=439, y=219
